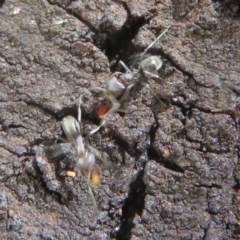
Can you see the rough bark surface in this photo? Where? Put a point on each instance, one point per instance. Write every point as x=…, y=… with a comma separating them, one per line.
x=174, y=169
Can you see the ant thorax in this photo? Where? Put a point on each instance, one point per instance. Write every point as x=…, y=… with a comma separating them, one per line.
x=117, y=84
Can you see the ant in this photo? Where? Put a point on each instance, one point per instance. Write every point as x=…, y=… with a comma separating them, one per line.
x=83, y=156
x=120, y=86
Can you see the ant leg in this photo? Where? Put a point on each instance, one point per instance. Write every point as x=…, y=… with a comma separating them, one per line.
x=151, y=75
x=94, y=151
x=92, y=196
x=126, y=93
x=58, y=138
x=102, y=157
x=90, y=171
x=155, y=95
x=115, y=105
x=155, y=41
x=79, y=110
x=125, y=66
x=152, y=92
x=102, y=123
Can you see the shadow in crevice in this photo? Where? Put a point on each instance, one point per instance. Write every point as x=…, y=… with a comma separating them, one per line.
x=1, y=3
x=227, y=8
x=154, y=155
x=117, y=44
x=134, y=204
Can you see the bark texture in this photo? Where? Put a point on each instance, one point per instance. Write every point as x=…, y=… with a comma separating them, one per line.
x=174, y=159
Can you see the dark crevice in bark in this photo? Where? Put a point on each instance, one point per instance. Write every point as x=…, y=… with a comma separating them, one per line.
x=45, y=108
x=71, y=12
x=1, y=3
x=119, y=45
x=153, y=130
x=233, y=113
x=210, y=185
x=134, y=204
x=154, y=155
x=205, y=235
x=236, y=187
x=176, y=64
x=227, y=8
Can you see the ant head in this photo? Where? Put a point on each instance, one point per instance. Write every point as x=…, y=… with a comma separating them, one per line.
x=151, y=64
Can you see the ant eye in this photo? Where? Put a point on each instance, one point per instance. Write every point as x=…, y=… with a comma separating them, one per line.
x=151, y=64
x=70, y=127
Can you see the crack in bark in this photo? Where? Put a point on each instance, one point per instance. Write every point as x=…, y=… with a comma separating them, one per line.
x=133, y=204
x=154, y=155
x=72, y=13
x=16, y=150
x=45, y=108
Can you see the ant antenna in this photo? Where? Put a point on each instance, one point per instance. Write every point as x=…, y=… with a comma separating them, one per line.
x=125, y=66
x=92, y=196
x=155, y=41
